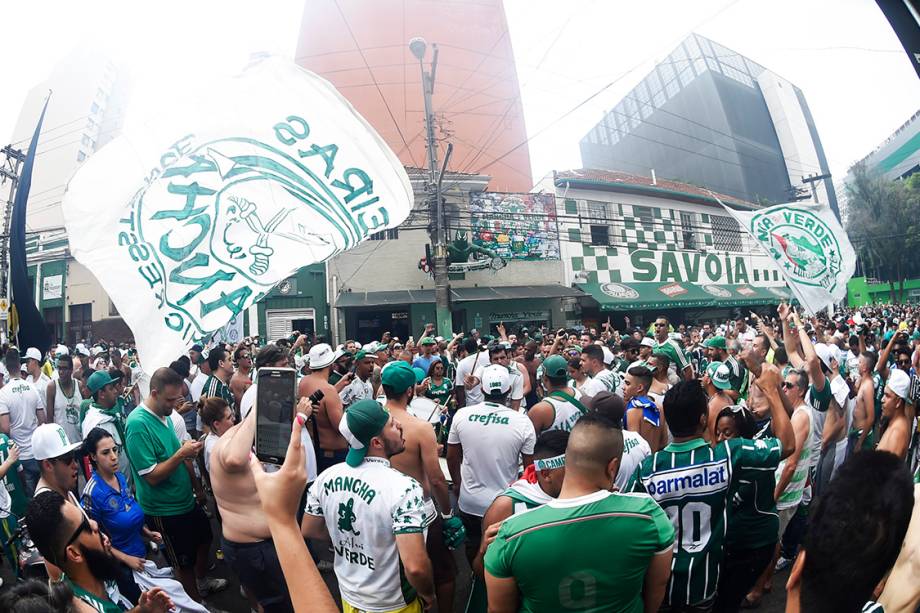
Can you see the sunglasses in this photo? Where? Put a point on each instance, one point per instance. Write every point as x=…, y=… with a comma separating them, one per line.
x=83, y=527
x=660, y=325
x=68, y=458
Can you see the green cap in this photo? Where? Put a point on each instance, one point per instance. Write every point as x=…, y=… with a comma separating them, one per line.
x=99, y=380
x=362, y=421
x=427, y=341
x=719, y=375
x=419, y=374
x=360, y=355
x=555, y=367
x=717, y=342
x=398, y=376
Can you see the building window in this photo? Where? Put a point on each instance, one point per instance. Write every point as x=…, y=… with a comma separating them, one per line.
x=600, y=235
x=687, y=230
x=81, y=156
x=645, y=216
x=385, y=235
x=726, y=233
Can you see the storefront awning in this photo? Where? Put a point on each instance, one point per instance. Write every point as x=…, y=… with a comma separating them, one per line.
x=458, y=294
x=622, y=296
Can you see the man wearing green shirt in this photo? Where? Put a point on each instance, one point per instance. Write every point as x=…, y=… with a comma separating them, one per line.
x=717, y=351
x=672, y=348
x=693, y=482
x=589, y=550
x=164, y=485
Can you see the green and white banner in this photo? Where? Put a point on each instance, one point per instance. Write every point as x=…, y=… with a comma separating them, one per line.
x=808, y=246
x=196, y=211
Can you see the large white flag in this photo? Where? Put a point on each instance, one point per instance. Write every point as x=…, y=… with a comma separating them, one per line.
x=194, y=213
x=808, y=246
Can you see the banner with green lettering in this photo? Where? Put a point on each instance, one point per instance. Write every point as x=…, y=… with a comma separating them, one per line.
x=808, y=246
x=195, y=212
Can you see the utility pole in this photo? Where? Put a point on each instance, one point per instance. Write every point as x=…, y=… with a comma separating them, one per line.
x=437, y=234
x=811, y=180
x=9, y=171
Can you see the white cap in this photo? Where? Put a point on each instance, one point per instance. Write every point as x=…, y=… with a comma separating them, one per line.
x=824, y=353
x=321, y=356
x=50, y=441
x=61, y=350
x=370, y=347
x=608, y=356
x=32, y=354
x=495, y=379
x=81, y=349
x=647, y=341
x=899, y=383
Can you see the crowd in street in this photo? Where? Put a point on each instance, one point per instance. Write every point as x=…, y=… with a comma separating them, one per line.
x=665, y=467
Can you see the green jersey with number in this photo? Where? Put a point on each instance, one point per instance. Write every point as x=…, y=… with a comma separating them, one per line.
x=692, y=482
x=585, y=554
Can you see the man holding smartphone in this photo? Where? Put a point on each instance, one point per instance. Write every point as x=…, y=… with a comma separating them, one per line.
x=375, y=518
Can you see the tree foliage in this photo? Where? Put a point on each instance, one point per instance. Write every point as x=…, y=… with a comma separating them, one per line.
x=883, y=223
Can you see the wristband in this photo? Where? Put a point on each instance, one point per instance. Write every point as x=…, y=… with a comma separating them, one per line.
x=447, y=515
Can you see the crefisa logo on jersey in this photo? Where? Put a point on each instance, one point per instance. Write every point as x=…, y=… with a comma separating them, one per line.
x=693, y=480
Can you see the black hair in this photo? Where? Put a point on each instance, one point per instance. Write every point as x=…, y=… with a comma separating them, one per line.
x=780, y=356
x=163, y=377
x=181, y=368
x=684, y=404
x=34, y=596
x=392, y=394
x=497, y=398
x=11, y=360
x=46, y=524
x=856, y=529
x=643, y=373
x=629, y=344
x=434, y=363
x=551, y=443
x=496, y=348
x=216, y=356
x=594, y=352
x=662, y=360
x=270, y=354
x=66, y=358
x=236, y=352
x=589, y=335
x=744, y=421
x=575, y=363
x=871, y=359
x=471, y=345
x=92, y=441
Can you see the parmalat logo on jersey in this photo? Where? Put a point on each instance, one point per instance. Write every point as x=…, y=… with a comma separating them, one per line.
x=690, y=481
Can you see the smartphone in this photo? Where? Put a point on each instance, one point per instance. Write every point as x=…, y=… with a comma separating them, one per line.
x=275, y=401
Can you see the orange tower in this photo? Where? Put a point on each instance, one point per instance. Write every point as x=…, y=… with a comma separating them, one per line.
x=361, y=47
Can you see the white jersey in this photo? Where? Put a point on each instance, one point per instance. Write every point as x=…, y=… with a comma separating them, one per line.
x=365, y=508
x=209, y=441
x=493, y=438
x=41, y=383
x=67, y=411
x=247, y=402
x=468, y=366
x=565, y=414
x=355, y=391
x=635, y=449
x=604, y=381
x=20, y=400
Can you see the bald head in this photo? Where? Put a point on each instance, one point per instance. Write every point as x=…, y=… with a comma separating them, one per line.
x=593, y=443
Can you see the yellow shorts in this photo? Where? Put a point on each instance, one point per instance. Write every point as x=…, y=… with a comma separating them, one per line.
x=413, y=607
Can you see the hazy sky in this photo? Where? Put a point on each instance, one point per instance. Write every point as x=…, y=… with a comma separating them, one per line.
x=841, y=53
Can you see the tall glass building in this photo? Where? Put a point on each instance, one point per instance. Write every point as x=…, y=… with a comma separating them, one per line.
x=711, y=117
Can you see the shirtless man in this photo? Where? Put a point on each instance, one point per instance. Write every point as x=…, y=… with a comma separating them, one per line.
x=896, y=437
x=753, y=355
x=242, y=377
x=419, y=460
x=643, y=415
x=860, y=434
x=245, y=537
x=332, y=445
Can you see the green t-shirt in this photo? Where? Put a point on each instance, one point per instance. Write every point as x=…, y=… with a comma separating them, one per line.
x=334, y=377
x=819, y=400
x=736, y=372
x=675, y=352
x=149, y=441
x=585, y=554
x=115, y=603
x=440, y=393
x=12, y=483
x=693, y=482
x=752, y=518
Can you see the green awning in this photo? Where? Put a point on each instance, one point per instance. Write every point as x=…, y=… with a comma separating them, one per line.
x=622, y=296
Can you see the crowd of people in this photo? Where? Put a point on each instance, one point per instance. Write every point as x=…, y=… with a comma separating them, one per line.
x=669, y=467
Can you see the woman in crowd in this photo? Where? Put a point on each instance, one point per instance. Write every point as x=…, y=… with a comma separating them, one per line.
x=752, y=523
x=217, y=415
x=440, y=388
